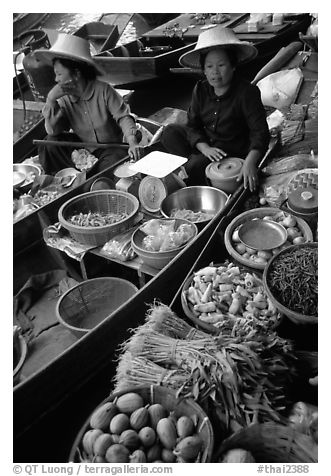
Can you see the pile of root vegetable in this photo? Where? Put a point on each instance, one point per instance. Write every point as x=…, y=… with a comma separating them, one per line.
x=229, y=297
x=241, y=375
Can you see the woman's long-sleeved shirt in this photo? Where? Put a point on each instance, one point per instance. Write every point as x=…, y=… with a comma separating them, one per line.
x=235, y=122
x=99, y=115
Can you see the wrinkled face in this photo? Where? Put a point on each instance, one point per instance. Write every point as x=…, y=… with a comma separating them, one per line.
x=218, y=69
x=62, y=74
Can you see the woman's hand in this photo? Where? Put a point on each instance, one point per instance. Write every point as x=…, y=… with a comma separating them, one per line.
x=60, y=90
x=134, y=151
x=249, y=171
x=214, y=154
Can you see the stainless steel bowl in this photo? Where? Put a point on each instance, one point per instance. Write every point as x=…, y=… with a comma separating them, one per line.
x=197, y=199
x=27, y=170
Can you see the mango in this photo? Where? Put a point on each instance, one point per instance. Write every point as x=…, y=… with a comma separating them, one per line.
x=129, y=402
x=101, y=417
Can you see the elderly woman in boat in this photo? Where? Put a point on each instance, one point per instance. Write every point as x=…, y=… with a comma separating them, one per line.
x=82, y=108
x=226, y=117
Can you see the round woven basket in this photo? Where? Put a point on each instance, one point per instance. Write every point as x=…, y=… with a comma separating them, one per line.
x=272, y=443
x=194, y=316
x=295, y=317
x=249, y=215
x=102, y=201
x=85, y=305
x=167, y=398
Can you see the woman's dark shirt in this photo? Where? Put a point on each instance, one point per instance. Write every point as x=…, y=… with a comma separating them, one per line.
x=235, y=122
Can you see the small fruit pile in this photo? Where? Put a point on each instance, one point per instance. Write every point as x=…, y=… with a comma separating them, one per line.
x=127, y=430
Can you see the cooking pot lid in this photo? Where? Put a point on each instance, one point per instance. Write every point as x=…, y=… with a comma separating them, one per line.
x=303, y=200
x=226, y=169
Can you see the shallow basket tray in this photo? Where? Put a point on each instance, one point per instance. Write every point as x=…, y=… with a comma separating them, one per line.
x=85, y=305
x=295, y=317
x=167, y=398
x=106, y=201
x=258, y=213
x=272, y=443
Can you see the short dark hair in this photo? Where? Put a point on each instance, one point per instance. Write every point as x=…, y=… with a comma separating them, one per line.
x=88, y=71
x=232, y=55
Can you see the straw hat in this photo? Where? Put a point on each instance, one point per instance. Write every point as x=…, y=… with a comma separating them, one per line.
x=69, y=47
x=218, y=36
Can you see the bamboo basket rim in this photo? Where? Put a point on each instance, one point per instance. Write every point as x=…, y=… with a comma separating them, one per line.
x=267, y=440
x=152, y=389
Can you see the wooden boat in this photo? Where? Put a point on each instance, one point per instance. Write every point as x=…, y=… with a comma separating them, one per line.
x=23, y=22
x=153, y=54
x=156, y=19
x=268, y=41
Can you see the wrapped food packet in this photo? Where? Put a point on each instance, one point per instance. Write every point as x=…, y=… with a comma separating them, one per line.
x=304, y=417
x=120, y=247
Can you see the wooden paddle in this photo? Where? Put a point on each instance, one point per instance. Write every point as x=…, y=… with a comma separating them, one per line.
x=97, y=145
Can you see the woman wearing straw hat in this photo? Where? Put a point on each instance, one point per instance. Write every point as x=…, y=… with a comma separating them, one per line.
x=81, y=103
x=226, y=116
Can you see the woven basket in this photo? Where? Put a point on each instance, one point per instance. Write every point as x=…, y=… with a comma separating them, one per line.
x=167, y=398
x=88, y=303
x=191, y=314
x=102, y=201
x=249, y=215
x=272, y=443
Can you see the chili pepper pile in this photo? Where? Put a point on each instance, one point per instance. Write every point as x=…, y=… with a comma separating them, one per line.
x=294, y=282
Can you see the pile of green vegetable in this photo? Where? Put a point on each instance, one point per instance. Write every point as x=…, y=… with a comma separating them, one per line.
x=293, y=280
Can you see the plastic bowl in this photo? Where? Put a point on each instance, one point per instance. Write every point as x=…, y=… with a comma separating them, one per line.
x=197, y=199
x=158, y=259
x=88, y=303
x=295, y=317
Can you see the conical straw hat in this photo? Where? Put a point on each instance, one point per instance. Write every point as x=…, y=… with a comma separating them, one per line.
x=214, y=37
x=69, y=47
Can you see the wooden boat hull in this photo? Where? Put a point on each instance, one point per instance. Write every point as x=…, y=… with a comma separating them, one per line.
x=86, y=368
x=26, y=21
x=136, y=67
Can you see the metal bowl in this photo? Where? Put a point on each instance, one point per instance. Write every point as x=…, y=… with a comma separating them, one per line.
x=18, y=179
x=260, y=234
x=197, y=199
x=27, y=170
x=68, y=172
